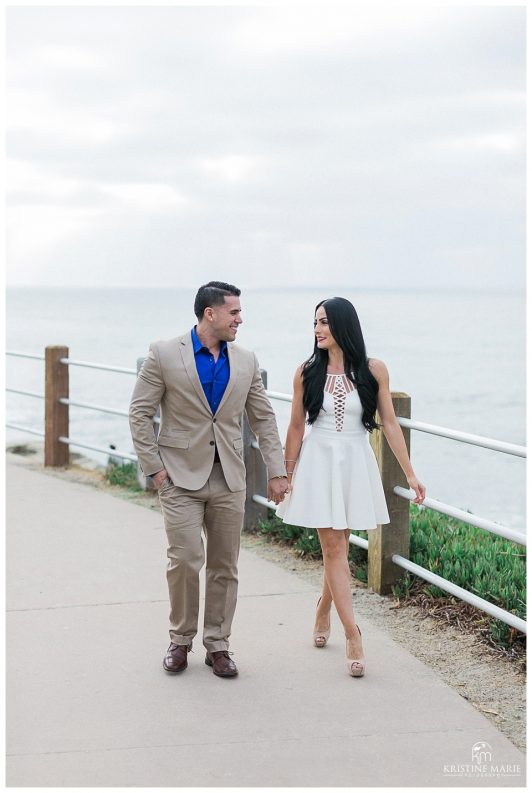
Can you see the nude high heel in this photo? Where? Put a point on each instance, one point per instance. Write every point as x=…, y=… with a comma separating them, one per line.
x=355, y=666
x=320, y=637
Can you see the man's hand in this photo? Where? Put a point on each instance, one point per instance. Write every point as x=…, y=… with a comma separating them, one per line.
x=277, y=489
x=159, y=478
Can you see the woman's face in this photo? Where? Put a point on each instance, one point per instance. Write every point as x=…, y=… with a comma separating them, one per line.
x=324, y=338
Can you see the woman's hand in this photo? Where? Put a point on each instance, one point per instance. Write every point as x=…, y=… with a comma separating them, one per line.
x=416, y=485
x=288, y=489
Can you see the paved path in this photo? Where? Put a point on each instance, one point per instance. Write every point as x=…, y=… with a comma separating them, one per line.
x=90, y=705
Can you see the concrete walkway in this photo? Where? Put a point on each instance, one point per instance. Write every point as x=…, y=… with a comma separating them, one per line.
x=90, y=705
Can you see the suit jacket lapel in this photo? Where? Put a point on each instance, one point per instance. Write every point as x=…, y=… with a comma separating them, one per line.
x=189, y=361
x=232, y=376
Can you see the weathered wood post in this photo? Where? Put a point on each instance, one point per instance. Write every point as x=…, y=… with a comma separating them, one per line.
x=394, y=537
x=55, y=414
x=256, y=474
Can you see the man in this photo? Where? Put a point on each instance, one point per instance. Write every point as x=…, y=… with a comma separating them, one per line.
x=203, y=383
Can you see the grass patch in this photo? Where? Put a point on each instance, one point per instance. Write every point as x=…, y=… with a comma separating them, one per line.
x=124, y=475
x=487, y=565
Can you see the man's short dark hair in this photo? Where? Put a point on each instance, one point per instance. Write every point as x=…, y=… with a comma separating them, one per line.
x=213, y=294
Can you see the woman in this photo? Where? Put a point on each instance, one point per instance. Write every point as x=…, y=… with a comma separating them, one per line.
x=335, y=486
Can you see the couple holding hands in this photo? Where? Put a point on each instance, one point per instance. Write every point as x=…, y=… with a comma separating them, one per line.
x=327, y=479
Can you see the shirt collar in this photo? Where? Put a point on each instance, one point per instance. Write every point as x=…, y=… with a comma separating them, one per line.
x=197, y=345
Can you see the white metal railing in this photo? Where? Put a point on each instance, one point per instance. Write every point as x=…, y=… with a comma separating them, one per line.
x=110, y=452
x=33, y=394
x=90, y=406
x=24, y=355
x=279, y=396
x=466, y=517
x=24, y=429
x=74, y=403
x=101, y=408
x=25, y=393
x=444, y=432
x=73, y=362
x=434, y=504
x=104, y=367
x=464, y=437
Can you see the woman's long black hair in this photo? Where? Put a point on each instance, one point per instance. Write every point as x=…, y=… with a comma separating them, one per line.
x=345, y=328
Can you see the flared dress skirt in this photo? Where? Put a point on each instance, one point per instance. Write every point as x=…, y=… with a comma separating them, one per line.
x=336, y=481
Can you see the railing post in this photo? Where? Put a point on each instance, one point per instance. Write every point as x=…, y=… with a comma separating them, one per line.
x=256, y=475
x=55, y=414
x=393, y=537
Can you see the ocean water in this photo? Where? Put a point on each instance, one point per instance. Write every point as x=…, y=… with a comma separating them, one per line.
x=460, y=356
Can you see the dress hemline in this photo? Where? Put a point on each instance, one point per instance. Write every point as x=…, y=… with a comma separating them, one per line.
x=334, y=528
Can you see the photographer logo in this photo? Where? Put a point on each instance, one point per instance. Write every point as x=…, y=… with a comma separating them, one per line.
x=483, y=764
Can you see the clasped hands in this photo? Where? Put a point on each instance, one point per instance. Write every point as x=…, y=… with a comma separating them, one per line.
x=278, y=488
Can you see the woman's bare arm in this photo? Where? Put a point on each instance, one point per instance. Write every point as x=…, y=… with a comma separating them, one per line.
x=391, y=428
x=296, y=428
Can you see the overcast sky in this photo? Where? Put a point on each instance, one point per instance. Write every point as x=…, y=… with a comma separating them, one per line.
x=166, y=146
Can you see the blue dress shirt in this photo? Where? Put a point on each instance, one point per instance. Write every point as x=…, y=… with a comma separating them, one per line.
x=214, y=375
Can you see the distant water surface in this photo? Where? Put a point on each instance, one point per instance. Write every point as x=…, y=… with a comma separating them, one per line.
x=460, y=356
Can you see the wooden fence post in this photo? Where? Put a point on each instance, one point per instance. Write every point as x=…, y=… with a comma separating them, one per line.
x=393, y=537
x=256, y=474
x=55, y=414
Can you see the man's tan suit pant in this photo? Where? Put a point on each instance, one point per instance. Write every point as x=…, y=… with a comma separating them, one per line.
x=219, y=513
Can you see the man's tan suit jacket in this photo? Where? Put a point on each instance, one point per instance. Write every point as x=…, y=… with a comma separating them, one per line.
x=188, y=430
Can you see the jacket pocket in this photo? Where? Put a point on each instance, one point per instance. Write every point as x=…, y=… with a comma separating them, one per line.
x=238, y=444
x=175, y=441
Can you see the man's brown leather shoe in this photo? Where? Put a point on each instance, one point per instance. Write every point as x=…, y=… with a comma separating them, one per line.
x=175, y=659
x=221, y=664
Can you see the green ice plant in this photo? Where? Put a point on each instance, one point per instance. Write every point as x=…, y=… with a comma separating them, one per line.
x=483, y=563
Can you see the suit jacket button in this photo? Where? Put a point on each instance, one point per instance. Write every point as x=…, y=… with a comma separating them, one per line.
x=214, y=421
x=211, y=443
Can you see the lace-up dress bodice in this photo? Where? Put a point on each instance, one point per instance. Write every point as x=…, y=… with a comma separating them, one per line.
x=342, y=409
x=336, y=482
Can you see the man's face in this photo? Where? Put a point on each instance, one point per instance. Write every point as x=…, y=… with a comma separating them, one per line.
x=225, y=319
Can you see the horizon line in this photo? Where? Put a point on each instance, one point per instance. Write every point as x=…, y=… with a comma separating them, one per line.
x=405, y=290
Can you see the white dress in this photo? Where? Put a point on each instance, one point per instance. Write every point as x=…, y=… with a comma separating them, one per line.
x=336, y=482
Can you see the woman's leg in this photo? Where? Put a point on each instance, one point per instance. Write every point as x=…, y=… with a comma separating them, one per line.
x=338, y=576
x=326, y=599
